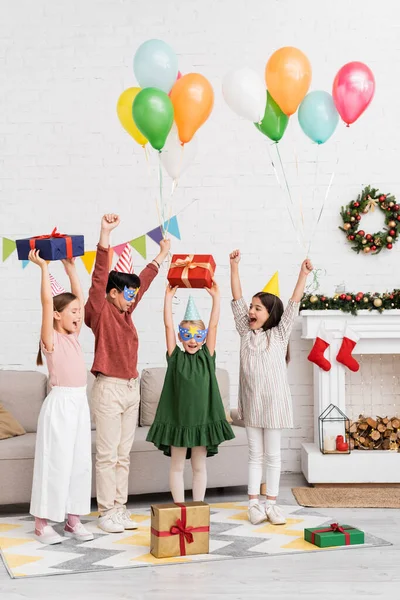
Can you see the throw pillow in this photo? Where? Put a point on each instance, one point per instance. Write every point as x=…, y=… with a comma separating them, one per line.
x=9, y=426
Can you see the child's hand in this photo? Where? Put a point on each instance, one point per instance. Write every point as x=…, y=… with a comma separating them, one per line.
x=235, y=256
x=34, y=256
x=214, y=289
x=110, y=222
x=306, y=267
x=170, y=291
x=69, y=264
x=165, y=246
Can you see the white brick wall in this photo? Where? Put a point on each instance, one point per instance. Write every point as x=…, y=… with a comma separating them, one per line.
x=65, y=159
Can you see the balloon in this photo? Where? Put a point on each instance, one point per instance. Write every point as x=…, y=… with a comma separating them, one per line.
x=155, y=65
x=288, y=77
x=318, y=116
x=177, y=78
x=153, y=114
x=124, y=112
x=353, y=90
x=244, y=93
x=175, y=157
x=274, y=122
x=193, y=99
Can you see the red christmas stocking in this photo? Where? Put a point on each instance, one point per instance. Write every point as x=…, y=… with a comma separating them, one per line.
x=350, y=339
x=316, y=355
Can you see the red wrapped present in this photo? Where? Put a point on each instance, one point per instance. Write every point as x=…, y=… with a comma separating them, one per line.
x=54, y=246
x=191, y=270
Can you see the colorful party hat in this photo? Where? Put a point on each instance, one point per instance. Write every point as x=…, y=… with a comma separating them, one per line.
x=56, y=288
x=191, y=314
x=125, y=261
x=272, y=286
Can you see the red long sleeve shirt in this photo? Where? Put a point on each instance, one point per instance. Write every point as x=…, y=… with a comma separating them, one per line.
x=116, y=339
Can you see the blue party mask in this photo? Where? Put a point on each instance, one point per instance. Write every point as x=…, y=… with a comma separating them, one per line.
x=130, y=294
x=193, y=332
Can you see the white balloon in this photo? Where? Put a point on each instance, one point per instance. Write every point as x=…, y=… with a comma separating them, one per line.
x=175, y=157
x=244, y=92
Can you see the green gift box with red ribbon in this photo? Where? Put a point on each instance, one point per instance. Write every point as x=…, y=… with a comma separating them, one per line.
x=334, y=535
x=180, y=529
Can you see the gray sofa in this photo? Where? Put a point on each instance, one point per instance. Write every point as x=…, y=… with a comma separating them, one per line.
x=22, y=394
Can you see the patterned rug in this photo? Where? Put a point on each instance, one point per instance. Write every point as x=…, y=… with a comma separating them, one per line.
x=232, y=536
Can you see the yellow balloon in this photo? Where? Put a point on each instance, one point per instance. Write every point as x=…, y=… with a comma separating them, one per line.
x=124, y=112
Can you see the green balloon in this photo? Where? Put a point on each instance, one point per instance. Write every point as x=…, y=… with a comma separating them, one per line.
x=153, y=114
x=274, y=122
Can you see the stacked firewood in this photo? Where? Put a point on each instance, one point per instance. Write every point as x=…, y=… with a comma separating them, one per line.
x=380, y=433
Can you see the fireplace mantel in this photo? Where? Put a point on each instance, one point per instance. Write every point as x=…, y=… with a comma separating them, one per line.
x=379, y=334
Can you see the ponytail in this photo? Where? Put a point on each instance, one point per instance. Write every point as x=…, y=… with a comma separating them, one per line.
x=39, y=358
x=288, y=354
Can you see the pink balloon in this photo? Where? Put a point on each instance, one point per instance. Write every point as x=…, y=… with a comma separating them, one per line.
x=353, y=90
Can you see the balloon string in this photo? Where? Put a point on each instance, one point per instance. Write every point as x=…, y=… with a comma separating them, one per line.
x=321, y=211
x=284, y=174
x=284, y=195
x=300, y=195
x=162, y=207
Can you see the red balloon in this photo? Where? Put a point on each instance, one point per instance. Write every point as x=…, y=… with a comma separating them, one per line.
x=353, y=90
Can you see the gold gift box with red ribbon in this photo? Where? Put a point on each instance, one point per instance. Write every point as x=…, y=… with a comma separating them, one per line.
x=191, y=270
x=180, y=529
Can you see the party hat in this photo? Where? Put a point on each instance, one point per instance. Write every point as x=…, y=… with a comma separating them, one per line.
x=272, y=286
x=56, y=288
x=191, y=314
x=125, y=261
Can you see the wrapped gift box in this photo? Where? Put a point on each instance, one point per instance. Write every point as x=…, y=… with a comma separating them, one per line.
x=191, y=270
x=180, y=529
x=334, y=535
x=52, y=247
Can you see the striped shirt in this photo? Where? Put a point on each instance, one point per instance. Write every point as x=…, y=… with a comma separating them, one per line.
x=264, y=393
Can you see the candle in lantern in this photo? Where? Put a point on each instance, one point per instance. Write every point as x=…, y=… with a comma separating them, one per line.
x=329, y=443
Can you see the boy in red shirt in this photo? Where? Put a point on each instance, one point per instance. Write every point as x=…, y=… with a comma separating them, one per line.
x=115, y=396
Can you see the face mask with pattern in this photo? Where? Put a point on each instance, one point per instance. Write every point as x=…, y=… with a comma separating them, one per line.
x=130, y=294
x=193, y=332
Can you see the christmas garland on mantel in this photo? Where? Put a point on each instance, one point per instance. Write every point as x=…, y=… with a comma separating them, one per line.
x=352, y=303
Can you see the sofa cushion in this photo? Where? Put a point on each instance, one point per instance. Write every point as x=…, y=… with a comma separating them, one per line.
x=151, y=384
x=9, y=426
x=22, y=394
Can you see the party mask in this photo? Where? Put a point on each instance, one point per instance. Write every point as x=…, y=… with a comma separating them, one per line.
x=193, y=332
x=130, y=294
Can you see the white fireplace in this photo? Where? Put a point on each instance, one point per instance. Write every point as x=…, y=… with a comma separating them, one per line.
x=379, y=334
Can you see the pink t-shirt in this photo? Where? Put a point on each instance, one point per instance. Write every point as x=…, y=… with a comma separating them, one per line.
x=66, y=363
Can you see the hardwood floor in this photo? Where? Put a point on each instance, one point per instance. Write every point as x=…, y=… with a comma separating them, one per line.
x=365, y=573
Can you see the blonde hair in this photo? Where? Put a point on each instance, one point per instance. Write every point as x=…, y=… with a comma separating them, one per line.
x=197, y=323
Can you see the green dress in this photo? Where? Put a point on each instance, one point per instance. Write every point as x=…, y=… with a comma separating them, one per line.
x=190, y=412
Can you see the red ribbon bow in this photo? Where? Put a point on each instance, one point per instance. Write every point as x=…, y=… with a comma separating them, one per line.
x=54, y=234
x=336, y=528
x=180, y=528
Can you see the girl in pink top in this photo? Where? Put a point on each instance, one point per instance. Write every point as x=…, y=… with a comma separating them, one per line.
x=62, y=471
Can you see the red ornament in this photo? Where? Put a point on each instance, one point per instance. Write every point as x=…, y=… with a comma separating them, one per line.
x=343, y=296
x=373, y=248
x=348, y=297
x=356, y=204
x=358, y=218
x=323, y=298
x=398, y=217
x=368, y=236
x=389, y=246
x=360, y=295
x=396, y=207
x=382, y=198
x=392, y=232
x=351, y=237
x=362, y=233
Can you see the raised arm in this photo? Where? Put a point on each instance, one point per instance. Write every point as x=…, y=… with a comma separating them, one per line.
x=46, y=334
x=305, y=270
x=148, y=274
x=170, y=335
x=236, y=286
x=76, y=288
x=214, y=317
x=165, y=246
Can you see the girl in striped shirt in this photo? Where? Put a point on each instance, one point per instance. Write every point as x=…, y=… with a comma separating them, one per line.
x=265, y=402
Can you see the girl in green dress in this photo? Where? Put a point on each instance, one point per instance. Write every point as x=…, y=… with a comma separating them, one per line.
x=190, y=421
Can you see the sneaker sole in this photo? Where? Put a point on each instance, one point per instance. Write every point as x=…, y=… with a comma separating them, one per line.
x=48, y=542
x=108, y=531
x=131, y=526
x=81, y=538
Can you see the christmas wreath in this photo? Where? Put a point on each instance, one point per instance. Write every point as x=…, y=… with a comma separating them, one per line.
x=352, y=303
x=368, y=200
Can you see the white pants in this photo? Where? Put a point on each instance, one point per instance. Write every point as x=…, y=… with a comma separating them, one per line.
x=63, y=458
x=264, y=449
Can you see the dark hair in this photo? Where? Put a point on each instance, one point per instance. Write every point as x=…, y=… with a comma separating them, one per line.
x=118, y=281
x=275, y=309
x=60, y=302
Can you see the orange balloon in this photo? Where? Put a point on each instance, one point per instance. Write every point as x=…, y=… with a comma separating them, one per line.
x=193, y=98
x=288, y=77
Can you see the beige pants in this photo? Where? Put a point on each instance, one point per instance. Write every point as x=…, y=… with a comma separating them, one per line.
x=114, y=404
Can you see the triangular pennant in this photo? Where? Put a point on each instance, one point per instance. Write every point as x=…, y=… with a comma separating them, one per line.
x=25, y=263
x=156, y=235
x=139, y=244
x=119, y=249
x=8, y=248
x=173, y=228
x=88, y=260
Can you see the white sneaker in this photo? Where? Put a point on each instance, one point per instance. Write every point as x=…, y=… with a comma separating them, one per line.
x=48, y=536
x=109, y=524
x=79, y=532
x=274, y=514
x=256, y=514
x=123, y=516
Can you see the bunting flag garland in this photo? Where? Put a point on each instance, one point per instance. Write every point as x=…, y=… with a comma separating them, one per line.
x=139, y=244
